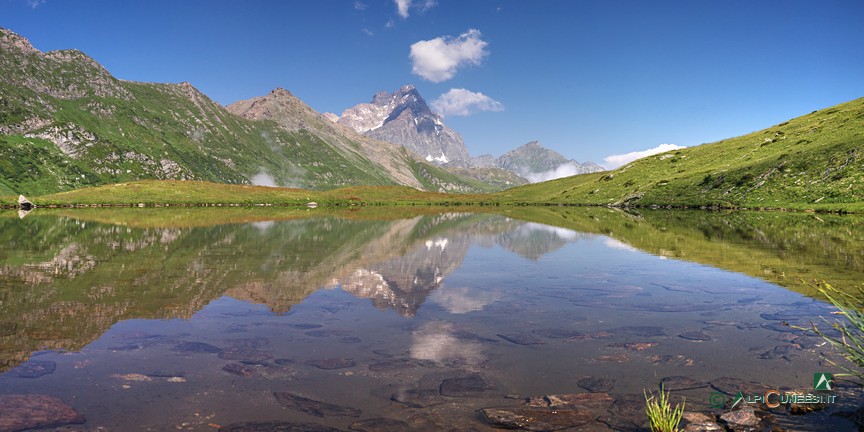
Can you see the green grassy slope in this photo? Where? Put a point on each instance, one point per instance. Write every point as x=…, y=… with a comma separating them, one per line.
x=66, y=123
x=814, y=161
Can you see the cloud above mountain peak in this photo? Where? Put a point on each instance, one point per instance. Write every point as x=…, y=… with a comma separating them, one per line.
x=437, y=60
x=462, y=102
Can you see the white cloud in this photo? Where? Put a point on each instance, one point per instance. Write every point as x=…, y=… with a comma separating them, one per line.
x=461, y=102
x=564, y=170
x=402, y=7
x=615, y=161
x=358, y=5
x=35, y=3
x=437, y=59
x=263, y=179
x=428, y=4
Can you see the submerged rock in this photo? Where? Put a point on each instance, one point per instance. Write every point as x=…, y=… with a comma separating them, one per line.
x=633, y=346
x=521, y=339
x=277, y=426
x=678, y=383
x=314, y=407
x=331, y=364
x=596, y=384
x=244, y=354
x=532, y=419
x=786, y=352
x=697, y=336
x=470, y=386
x=318, y=333
x=19, y=412
x=196, y=347
x=391, y=365
x=558, y=333
x=643, y=331
x=379, y=425
x=417, y=398
x=33, y=369
x=245, y=371
x=590, y=401
x=305, y=326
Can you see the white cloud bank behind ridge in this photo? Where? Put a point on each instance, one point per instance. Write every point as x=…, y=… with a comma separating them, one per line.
x=461, y=102
x=564, y=170
x=438, y=59
x=615, y=161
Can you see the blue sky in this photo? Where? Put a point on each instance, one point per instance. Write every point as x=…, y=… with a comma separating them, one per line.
x=588, y=79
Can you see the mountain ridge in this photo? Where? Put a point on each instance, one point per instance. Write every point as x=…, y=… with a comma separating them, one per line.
x=66, y=123
x=404, y=118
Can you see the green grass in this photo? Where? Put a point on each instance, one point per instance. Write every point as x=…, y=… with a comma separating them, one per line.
x=812, y=162
x=661, y=415
x=175, y=192
x=850, y=342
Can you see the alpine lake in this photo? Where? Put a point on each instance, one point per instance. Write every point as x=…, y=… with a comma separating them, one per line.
x=427, y=319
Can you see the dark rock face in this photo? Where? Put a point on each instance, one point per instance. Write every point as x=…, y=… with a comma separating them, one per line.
x=20, y=412
x=314, y=407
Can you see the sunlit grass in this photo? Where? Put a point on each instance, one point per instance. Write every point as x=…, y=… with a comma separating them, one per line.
x=662, y=416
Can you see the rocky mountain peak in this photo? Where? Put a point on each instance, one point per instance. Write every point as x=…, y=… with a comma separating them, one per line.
x=404, y=118
x=12, y=40
x=537, y=163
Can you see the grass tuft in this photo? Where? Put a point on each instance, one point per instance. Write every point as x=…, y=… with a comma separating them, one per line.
x=662, y=416
x=850, y=342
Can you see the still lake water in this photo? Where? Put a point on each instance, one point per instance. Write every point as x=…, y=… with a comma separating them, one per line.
x=200, y=319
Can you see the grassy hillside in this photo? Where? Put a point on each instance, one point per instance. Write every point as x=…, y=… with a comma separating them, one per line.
x=810, y=162
x=66, y=123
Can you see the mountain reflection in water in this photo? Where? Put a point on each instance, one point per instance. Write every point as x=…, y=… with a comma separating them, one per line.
x=530, y=300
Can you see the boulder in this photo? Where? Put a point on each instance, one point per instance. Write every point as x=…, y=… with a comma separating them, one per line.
x=20, y=412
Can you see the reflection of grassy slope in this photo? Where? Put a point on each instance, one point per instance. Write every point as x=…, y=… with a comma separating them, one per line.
x=784, y=248
x=66, y=281
x=814, y=161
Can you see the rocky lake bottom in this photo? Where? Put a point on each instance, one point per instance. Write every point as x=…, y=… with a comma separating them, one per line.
x=462, y=328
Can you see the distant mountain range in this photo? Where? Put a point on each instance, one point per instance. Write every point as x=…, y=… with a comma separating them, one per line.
x=536, y=163
x=404, y=118
x=66, y=123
